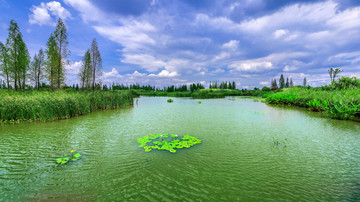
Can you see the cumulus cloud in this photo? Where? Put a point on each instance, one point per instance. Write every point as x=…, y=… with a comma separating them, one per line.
x=165, y=73
x=289, y=68
x=279, y=33
x=166, y=42
x=88, y=11
x=231, y=45
x=147, y=62
x=132, y=35
x=252, y=66
x=46, y=12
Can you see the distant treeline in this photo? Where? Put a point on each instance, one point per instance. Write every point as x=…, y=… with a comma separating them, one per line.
x=222, y=85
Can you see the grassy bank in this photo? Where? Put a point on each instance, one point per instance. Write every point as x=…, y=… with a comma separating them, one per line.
x=338, y=104
x=45, y=106
x=207, y=93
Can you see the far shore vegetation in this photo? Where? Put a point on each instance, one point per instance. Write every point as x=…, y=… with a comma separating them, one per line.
x=35, y=89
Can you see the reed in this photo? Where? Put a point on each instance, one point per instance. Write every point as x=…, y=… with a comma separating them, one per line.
x=47, y=106
x=338, y=104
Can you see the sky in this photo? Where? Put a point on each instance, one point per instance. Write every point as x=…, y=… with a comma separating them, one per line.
x=176, y=42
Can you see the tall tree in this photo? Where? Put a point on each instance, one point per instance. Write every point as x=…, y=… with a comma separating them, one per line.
x=37, y=68
x=331, y=71
x=234, y=85
x=96, y=61
x=13, y=46
x=336, y=72
x=60, y=35
x=23, y=62
x=304, y=82
x=291, y=82
x=282, y=81
x=86, y=71
x=40, y=64
x=52, y=59
x=5, y=63
x=287, y=84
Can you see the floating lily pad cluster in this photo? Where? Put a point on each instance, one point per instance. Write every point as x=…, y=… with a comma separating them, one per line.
x=168, y=142
x=69, y=158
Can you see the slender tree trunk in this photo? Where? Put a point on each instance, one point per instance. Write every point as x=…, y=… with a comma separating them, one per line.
x=59, y=65
x=93, y=73
x=15, y=75
x=38, y=75
x=7, y=80
x=19, y=81
x=52, y=78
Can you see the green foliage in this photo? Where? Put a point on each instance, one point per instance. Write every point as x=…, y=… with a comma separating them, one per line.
x=68, y=158
x=282, y=98
x=343, y=83
x=317, y=105
x=167, y=142
x=265, y=88
x=86, y=71
x=338, y=104
x=44, y=106
x=170, y=100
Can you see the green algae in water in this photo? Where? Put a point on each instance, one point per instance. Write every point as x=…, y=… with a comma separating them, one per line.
x=170, y=100
x=168, y=142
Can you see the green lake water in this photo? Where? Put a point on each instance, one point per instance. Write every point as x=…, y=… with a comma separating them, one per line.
x=317, y=158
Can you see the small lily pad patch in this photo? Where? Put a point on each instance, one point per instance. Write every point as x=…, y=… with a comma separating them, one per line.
x=169, y=142
x=69, y=158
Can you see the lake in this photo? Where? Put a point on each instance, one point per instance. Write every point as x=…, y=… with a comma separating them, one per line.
x=250, y=151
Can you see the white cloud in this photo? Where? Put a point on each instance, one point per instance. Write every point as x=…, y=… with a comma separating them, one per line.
x=279, y=33
x=57, y=10
x=220, y=23
x=133, y=35
x=166, y=73
x=296, y=14
x=250, y=66
x=147, y=62
x=264, y=83
x=88, y=11
x=231, y=45
x=221, y=56
x=41, y=14
x=288, y=68
x=351, y=57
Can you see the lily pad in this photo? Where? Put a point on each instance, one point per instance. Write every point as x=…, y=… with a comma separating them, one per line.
x=168, y=142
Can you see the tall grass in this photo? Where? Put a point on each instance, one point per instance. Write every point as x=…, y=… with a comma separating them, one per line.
x=45, y=106
x=338, y=104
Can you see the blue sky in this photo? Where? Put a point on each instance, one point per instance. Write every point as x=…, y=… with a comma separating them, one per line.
x=164, y=42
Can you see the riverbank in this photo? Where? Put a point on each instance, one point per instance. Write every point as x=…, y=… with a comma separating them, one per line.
x=338, y=104
x=46, y=106
x=208, y=93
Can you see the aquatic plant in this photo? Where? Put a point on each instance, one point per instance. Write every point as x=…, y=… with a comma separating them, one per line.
x=199, y=102
x=338, y=104
x=170, y=100
x=168, y=142
x=46, y=106
x=69, y=158
x=317, y=105
x=278, y=142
